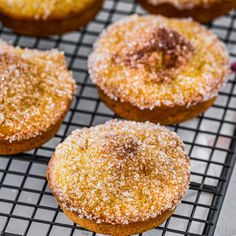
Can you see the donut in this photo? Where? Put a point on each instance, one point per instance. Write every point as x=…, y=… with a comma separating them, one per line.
x=47, y=17
x=200, y=10
x=158, y=69
x=121, y=177
x=36, y=91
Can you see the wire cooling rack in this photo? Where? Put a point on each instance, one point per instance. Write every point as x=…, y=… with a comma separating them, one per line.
x=27, y=206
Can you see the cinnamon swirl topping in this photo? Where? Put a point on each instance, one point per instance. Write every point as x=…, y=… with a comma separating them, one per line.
x=165, y=52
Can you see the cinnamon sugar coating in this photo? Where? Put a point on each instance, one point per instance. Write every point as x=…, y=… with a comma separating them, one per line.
x=120, y=172
x=152, y=61
x=185, y=4
x=43, y=9
x=35, y=90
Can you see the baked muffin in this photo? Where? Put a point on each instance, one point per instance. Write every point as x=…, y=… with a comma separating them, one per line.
x=158, y=69
x=119, y=178
x=200, y=10
x=36, y=93
x=47, y=17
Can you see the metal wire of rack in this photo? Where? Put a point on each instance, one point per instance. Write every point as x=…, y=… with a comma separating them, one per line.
x=27, y=206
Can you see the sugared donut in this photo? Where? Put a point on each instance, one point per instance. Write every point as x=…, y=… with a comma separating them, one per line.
x=200, y=10
x=47, y=17
x=158, y=69
x=119, y=178
x=36, y=91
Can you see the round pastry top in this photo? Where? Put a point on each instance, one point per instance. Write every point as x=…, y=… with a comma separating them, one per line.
x=36, y=89
x=120, y=172
x=152, y=61
x=43, y=9
x=185, y=4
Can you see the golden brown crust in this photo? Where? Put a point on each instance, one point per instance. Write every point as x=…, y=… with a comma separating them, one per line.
x=199, y=12
x=121, y=177
x=118, y=230
x=44, y=9
x=107, y=228
x=51, y=25
x=15, y=147
x=36, y=93
x=162, y=115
